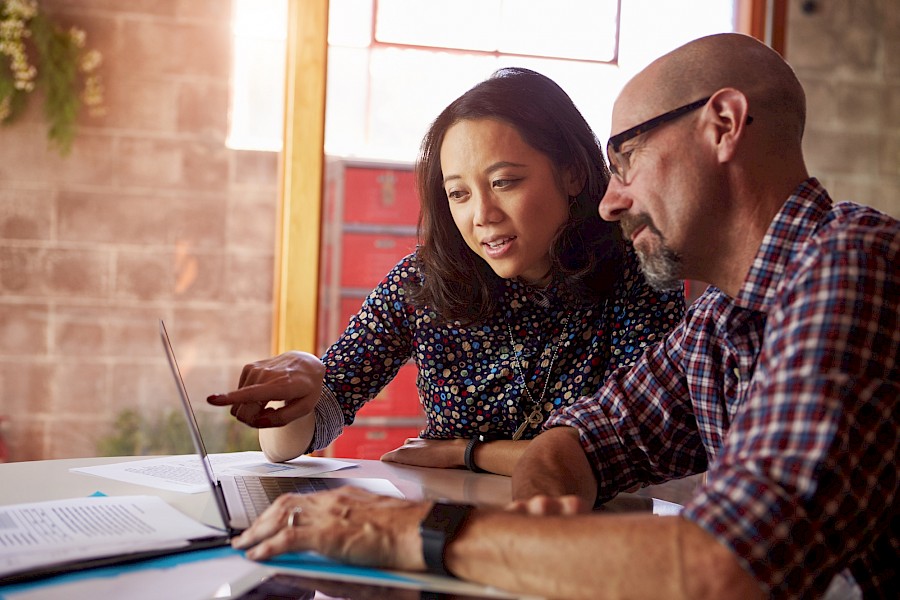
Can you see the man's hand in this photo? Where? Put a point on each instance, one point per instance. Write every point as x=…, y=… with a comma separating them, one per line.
x=293, y=378
x=444, y=454
x=347, y=524
x=555, y=465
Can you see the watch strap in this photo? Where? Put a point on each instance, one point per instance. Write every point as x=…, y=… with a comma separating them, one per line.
x=439, y=527
x=469, y=456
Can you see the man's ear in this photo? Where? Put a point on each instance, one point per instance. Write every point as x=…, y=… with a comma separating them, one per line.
x=729, y=116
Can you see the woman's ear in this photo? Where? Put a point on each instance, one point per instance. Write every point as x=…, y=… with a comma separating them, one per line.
x=573, y=181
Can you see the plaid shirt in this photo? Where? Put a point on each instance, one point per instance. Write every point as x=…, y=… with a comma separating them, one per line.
x=787, y=395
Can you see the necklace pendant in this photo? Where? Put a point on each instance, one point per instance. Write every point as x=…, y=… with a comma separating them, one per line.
x=534, y=417
x=519, y=431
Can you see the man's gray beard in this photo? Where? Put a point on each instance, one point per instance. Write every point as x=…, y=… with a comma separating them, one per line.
x=662, y=269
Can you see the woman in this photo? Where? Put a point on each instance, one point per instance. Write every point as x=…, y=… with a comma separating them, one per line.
x=519, y=299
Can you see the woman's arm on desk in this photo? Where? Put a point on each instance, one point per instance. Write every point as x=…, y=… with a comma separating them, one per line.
x=495, y=456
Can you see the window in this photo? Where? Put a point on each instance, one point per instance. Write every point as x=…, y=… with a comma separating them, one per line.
x=256, y=114
x=526, y=27
x=394, y=64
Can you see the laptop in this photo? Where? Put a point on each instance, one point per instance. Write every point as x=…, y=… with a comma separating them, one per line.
x=239, y=499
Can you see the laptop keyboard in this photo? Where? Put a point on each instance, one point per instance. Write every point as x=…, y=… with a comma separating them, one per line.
x=257, y=493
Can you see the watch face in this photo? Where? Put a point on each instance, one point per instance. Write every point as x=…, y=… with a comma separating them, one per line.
x=446, y=518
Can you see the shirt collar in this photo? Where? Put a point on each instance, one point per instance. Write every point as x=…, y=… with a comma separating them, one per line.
x=798, y=218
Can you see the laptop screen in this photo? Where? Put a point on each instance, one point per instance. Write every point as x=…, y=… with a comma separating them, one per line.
x=193, y=427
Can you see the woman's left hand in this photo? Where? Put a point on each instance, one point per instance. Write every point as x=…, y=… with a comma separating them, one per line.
x=419, y=452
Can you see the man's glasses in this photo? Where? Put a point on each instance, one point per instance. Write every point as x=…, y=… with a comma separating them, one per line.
x=619, y=161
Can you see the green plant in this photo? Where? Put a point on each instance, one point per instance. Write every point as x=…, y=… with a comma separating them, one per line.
x=135, y=434
x=35, y=52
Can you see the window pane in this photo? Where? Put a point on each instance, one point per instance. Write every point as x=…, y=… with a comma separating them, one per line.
x=350, y=23
x=347, y=101
x=464, y=24
x=257, y=83
x=580, y=29
x=651, y=28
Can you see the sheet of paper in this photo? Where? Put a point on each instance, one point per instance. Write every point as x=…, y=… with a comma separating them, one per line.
x=46, y=533
x=184, y=473
x=666, y=508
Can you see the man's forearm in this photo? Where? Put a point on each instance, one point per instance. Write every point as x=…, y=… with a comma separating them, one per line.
x=554, y=465
x=593, y=556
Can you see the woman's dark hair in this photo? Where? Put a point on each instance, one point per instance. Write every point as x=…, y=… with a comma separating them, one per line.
x=587, y=251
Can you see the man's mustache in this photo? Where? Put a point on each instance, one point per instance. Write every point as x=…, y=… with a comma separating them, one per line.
x=631, y=223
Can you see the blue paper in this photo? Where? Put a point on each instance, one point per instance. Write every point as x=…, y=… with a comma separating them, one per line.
x=316, y=562
x=292, y=560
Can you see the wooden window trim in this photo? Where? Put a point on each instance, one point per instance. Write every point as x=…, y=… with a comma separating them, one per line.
x=766, y=20
x=298, y=247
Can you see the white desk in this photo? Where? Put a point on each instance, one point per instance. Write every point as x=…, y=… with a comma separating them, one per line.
x=49, y=480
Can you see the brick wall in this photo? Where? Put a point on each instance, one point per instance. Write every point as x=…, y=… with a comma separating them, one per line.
x=847, y=55
x=149, y=216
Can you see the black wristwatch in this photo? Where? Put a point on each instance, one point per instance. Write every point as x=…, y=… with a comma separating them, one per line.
x=437, y=529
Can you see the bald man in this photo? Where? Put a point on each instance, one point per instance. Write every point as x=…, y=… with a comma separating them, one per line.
x=782, y=383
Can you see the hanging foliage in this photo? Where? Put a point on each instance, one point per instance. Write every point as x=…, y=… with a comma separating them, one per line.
x=35, y=52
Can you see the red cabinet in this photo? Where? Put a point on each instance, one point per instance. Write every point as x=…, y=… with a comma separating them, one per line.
x=370, y=212
x=369, y=441
x=380, y=196
x=367, y=257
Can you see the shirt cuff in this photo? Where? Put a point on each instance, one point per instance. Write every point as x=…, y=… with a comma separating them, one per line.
x=329, y=420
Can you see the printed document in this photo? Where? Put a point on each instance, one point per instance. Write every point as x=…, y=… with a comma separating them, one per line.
x=41, y=534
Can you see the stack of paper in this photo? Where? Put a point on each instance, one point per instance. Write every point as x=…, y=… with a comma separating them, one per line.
x=45, y=538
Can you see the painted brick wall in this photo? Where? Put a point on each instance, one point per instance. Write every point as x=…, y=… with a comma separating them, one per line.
x=847, y=55
x=150, y=216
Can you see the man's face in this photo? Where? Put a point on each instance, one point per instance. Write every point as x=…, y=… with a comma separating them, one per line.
x=654, y=189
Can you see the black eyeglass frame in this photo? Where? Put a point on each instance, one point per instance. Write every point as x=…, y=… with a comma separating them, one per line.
x=616, y=141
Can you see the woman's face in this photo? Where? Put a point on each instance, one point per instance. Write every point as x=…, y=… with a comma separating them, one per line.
x=505, y=197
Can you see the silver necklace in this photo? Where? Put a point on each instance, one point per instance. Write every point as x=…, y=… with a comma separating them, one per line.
x=534, y=416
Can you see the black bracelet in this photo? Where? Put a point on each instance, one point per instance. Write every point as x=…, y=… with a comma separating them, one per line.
x=469, y=456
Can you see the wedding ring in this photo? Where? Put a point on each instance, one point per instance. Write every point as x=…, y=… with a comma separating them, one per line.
x=294, y=517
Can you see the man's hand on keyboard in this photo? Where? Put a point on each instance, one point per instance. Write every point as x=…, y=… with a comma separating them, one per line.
x=347, y=524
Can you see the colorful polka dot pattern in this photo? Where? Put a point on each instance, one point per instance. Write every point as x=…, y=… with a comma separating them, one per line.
x=467, y=380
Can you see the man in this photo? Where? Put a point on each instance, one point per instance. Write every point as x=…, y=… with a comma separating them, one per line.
x=781, y=384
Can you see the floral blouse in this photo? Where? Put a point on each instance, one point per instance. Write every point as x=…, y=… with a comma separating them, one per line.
x=473, y=380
